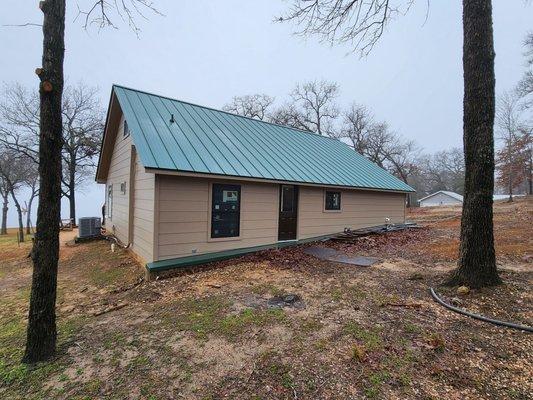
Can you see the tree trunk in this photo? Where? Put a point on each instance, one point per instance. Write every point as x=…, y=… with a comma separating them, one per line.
x=3, y=230
x=42, y=332
x=72, y=193
x=28, y=216
x=19, y=214
x=510, y=173
x=477, y=260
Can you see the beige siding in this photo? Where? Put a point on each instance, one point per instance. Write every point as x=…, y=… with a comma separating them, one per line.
x=359, y=209
x=119, y=172
x=183, y=215
x=141, y=212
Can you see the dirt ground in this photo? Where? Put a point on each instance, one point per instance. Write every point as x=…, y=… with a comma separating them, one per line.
x=220, y=332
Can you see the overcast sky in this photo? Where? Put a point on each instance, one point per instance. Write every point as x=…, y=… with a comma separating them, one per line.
x=206, y=51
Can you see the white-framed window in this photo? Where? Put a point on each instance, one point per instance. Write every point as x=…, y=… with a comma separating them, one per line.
x=109, y=202
x=332, y=201
x=123, y=187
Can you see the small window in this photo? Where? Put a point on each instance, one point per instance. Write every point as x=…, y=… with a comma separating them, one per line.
x=109, y=208
x=123, y=188
x=287, y=198
x=226, y=210
x=126, y=129
x=333, y=201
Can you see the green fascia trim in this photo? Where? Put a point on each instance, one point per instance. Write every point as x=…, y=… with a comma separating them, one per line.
x=189, y=261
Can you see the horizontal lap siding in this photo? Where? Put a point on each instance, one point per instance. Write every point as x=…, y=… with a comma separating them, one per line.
x=143, y=213
x=359, y=209
x=184, y=217
x=119, y=172
x=183, y=223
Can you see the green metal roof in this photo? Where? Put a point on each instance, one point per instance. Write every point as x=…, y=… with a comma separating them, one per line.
x=207, y=141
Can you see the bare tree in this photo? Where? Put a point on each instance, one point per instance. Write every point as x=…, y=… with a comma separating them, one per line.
x=14, y=171
x=19, y=121
x=42, y=331
x=254, y=106
x=508, y=123
x=82, y=131
x=31, y=182
x=357, y=125
x=362, y=23
x=288, y=115
x=525, y=86
x=380, y=143
x=316, y=101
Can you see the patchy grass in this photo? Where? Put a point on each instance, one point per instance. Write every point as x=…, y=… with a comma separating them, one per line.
x=371, y=333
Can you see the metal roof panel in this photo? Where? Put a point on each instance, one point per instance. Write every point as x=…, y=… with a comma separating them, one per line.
x=205, y=140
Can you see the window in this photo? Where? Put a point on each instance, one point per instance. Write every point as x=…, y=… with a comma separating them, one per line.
x=123, y=187
x=126, y=132
x=109, y=208
x=287, y=198
x=333, y=201
x=225, y=212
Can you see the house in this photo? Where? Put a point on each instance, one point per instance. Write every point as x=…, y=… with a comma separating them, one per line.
x=187, y=184
x=441, y=198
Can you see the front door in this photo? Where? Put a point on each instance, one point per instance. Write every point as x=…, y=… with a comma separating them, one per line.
x=288, y=212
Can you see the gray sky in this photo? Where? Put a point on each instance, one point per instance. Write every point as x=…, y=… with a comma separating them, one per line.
x=208, y=51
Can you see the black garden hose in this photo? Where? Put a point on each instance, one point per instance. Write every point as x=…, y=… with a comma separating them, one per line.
x=477, y=316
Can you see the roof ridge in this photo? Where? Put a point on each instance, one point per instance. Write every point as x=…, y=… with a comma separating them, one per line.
x=226, y=112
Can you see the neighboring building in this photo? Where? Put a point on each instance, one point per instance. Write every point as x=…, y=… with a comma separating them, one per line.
x=441, y=198
x=446, y=198
x=187, y=184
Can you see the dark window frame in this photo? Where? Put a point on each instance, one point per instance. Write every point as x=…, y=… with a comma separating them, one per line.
x=328, y=200
x=126, y=132
x=218, y=189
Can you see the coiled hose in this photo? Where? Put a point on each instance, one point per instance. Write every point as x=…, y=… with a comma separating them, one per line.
x=477, y=316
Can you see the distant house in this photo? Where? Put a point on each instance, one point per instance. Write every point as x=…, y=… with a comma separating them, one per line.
x=441, y=198
x=187, y=184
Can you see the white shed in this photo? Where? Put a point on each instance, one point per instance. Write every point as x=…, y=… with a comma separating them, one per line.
x=441, y=198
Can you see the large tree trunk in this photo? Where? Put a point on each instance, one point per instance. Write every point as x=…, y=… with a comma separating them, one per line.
x=42, y=333
x=5, y=208
x=477, y=260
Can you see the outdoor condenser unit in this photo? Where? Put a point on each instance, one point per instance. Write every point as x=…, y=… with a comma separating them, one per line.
x=89, y=226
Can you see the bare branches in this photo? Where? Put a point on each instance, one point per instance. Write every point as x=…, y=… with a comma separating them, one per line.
x=253, y=106
x=82, y=130
x=316, y=100
x=23, y=25
x=101, y=13
x=525, y=86
x=358, y=22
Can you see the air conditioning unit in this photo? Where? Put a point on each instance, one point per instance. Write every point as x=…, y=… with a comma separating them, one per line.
x=89, y=227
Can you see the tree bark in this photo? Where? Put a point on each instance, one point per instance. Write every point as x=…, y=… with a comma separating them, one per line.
x=477, y=260
x=72, y=193
x=19, y=214
x=28, y=215
x=42, y=332
x=5, y=208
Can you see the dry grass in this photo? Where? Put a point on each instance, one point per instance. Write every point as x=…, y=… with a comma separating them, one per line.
x=212, y=335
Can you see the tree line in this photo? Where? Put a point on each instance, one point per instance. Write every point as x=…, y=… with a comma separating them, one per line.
x=82, y=130
x=312, y=106
x=514, y=127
